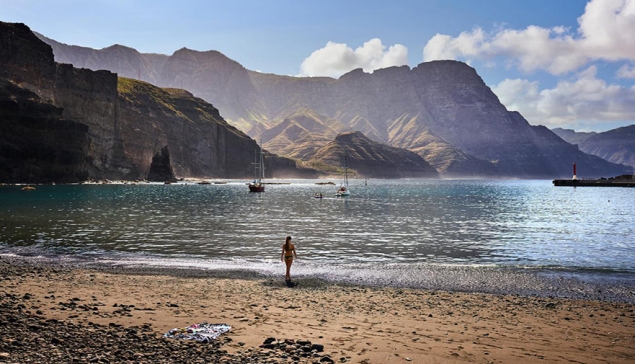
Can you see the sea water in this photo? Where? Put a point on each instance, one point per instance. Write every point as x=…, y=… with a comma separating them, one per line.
x=478, y=235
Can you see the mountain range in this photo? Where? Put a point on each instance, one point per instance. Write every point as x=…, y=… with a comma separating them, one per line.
x=616, y=145
x=440, y=110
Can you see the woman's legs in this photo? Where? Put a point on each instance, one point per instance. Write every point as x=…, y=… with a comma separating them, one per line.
x=288, y=275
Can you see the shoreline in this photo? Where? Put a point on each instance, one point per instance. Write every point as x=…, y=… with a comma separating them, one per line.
x=354, y=323
x=539, y=282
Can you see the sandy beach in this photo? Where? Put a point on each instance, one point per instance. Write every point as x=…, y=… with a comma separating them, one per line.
x=354, y=324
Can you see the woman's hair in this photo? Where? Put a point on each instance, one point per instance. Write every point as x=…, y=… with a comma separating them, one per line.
x=286, y=244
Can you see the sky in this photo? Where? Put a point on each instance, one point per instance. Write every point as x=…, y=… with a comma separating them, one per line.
x=560, y=63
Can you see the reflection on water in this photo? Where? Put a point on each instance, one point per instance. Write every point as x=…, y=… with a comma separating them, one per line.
x=517, y=223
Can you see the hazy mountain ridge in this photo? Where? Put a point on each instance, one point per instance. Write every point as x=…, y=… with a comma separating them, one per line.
x=300, y=134
x=372, y=159
x=127, y=61
x=571, y=136
x=616, y=145
x=474, y=134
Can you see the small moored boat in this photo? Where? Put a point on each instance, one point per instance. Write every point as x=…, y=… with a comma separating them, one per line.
x=259, y=173
x=343, y=190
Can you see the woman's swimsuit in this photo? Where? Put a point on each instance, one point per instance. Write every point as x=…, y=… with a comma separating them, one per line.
x=287, y=257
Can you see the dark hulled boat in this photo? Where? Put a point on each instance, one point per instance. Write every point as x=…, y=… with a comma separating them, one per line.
x=259, y=173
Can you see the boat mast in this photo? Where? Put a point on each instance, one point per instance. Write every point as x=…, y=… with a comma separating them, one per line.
x=255, y=165
x=345, y=169
x=262, y=162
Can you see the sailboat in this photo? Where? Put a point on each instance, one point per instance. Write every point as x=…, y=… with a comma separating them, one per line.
x=343, y=190
x=259, y=173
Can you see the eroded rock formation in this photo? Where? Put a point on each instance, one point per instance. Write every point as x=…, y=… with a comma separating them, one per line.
x=161, y=168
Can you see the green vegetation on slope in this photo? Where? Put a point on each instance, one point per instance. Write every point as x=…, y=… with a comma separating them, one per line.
x=134, y=90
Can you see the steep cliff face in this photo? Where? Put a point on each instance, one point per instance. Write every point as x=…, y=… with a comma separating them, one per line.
x=115, y=125
x=372, y=159
x=84, y=96
x=201, y=143
x=90, y=97
x=26, y=61
x=37, y=144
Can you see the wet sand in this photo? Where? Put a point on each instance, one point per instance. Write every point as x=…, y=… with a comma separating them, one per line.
x=354, y=323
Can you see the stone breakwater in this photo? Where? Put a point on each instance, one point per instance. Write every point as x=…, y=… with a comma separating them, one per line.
x=28, y=336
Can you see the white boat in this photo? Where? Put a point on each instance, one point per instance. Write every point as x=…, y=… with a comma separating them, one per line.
x=343, y=191
x=259, y=173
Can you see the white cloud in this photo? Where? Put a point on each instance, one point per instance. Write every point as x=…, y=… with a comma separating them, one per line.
x=587, y=98
x=605, y=32
x=467, y=44
x=626, y=72
x=336, y=59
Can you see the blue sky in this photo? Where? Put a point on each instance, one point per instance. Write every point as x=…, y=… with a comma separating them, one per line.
x=568, y=63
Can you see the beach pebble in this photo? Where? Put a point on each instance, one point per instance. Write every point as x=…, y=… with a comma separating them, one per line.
x=318, y=347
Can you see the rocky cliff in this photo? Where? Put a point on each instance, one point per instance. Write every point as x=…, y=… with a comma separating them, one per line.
x=61, y=92
x=442, y=110
x=201, y=144
x=37, y=144
x=61, y=123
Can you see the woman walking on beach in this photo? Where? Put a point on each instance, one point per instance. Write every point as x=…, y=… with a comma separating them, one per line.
x=288, y=253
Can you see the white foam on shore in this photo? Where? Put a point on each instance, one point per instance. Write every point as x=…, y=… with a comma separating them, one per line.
x=463, y=278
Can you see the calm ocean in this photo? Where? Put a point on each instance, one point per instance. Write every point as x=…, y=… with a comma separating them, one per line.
x=524, y=237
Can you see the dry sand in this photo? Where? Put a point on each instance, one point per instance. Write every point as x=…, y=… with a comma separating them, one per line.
x=355, y=324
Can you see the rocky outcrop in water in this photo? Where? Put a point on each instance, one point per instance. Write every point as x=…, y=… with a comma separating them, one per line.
x=161, y=168
x=64, y=124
